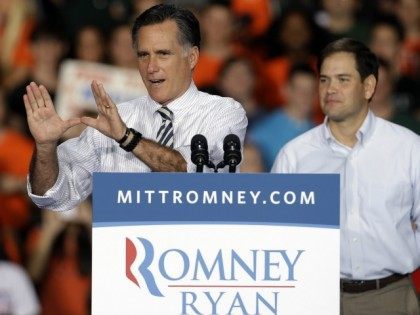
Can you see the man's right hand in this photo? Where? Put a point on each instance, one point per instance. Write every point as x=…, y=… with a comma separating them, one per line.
x=44, y=123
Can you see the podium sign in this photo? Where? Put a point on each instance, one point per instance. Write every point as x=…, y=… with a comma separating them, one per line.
x=215, y=244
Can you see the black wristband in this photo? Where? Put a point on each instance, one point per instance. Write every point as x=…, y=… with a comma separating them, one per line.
x=127, y=132
x=134, y=141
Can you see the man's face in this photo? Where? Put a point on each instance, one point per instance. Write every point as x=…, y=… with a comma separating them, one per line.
x=301, y=92
x=164, y=64
x=343, y=95
x=384, y=43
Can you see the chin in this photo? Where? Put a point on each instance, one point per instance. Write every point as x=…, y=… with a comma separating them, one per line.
x=157, y=98
x=336, y=117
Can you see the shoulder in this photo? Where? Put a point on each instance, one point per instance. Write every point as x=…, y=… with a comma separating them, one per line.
x=395, y=134
x=298, y=149
x=217, y=102
x=311, y=138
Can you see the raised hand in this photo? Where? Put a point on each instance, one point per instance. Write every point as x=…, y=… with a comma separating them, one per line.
x=109, y=121
x=44, y=123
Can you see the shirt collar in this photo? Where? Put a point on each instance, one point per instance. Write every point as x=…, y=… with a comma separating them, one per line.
x=179, y=106
x=363, y=134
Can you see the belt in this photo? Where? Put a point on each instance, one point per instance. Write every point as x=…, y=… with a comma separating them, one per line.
x=358, y=286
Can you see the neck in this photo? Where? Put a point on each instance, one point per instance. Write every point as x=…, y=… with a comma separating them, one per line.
x=345, y=131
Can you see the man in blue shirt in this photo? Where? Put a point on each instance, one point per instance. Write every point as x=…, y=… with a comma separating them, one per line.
x=294, y=118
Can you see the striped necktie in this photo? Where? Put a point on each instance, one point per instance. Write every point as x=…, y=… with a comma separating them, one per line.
x=165, y=135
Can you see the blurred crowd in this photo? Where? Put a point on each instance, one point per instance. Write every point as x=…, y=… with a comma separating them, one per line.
x=261, y=53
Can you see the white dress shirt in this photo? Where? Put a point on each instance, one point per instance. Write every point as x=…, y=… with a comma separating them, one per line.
x=194, y=113
x=380, y=193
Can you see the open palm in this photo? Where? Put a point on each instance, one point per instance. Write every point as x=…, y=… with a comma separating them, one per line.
x=108, y=121
x=44, y=123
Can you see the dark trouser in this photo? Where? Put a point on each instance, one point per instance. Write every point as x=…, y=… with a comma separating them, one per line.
x=396, y=298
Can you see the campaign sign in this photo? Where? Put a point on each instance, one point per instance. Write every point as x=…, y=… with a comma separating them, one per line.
x=74, y=97
x=215, y=244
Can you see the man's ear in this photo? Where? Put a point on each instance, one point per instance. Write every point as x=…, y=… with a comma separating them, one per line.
x=369, y=85
x=193, y=57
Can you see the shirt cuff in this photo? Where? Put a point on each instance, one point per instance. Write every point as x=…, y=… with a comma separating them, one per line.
x=50, y=197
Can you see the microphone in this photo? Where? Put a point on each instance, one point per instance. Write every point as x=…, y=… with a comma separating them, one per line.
x=232, y=148
x=199, y=152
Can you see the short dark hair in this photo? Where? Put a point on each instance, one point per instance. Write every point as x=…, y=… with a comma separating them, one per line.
x=188, y=25
x=48, y=30
x=301, y=67
x=391, y=21
x=366, y=61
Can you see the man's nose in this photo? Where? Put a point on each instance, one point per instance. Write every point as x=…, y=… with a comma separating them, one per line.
x=152, y=66
x=331, y=87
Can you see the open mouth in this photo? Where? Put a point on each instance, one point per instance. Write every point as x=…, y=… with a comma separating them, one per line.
x=157, y=82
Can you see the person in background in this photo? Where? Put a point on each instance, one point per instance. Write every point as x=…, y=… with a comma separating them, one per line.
x=121, y=48
x=150, y=133
x=384, y=103
x=218, y=27
x=290, y=40
x=139, y=6
x=341, y=19
x=17, y=293
x=15, y=208
x=89, y=44
x=17, y=21
x=272, y=132
x=386, y=41
x=408, y=12
x=238, y=80
x=48, y=47
x=379, y=168
x=60, y=261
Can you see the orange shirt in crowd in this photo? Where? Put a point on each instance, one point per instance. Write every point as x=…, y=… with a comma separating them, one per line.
x=207, y=70
x=410, y=58
x=15, y=155
x=259, y=11
x=21, y=54
x=65, y=291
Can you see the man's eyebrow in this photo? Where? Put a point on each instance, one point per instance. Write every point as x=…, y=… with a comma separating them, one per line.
x=165, y=51
x=141, y=52
x=335, y=75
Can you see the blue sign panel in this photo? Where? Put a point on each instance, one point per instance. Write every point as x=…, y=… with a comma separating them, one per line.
x=273, y=199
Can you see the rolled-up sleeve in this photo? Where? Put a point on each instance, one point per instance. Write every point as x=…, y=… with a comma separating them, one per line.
x=77, y=162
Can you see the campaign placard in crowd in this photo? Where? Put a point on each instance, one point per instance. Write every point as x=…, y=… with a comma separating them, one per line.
x=74, y=96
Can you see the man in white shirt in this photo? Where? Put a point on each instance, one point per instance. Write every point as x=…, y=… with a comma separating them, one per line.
x=379, y=167
x=166, y=40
